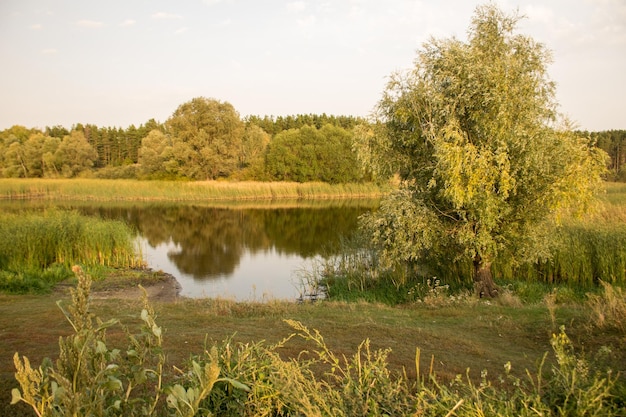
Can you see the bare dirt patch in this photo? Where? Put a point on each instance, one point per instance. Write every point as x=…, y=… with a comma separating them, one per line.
x=126, y=284
x=164, y=289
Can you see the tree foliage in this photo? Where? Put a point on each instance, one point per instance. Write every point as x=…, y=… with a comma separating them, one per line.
x=311, y=154
x=155, y=150
x=74, y=155
x=41, y=155
x=207, y=136
x=274, y=125
x=180, y=153
x=484, y=169
x=614, y=143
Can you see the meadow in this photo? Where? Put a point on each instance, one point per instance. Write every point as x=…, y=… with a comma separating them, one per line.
x=551, y=347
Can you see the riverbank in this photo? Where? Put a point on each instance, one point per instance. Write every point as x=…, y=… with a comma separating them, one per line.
x=160, y=287
x=135, y=190
x=455, y=336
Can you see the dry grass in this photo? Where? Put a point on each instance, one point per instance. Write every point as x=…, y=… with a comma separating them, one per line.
x=125, y=190
x=608, y=309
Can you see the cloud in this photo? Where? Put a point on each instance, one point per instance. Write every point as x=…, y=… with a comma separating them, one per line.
x=211, y=2
x=49, y=51
x=181, y=30
x=128, y=22
x=166, y=16
x=225, y=22
x=307, y=21
x=86, y=23
x=36, y=26
x=296, y=6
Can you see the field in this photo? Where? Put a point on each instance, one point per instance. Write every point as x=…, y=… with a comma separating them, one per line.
x=450, y=354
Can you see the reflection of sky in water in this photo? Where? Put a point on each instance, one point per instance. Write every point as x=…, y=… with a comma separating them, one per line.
x=260, y=276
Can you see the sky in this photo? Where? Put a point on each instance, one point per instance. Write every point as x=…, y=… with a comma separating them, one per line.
x=121, y=62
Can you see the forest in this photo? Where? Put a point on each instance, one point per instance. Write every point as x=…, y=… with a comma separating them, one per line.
x=207, y=139
x=204, y=139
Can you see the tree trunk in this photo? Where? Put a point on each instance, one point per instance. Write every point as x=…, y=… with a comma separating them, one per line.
x=483, y=280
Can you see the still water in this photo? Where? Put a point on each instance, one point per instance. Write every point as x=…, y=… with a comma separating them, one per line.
x=243, y=253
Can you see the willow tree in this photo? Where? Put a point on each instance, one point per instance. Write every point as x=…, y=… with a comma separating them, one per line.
x=485, y=169
x=206, y=138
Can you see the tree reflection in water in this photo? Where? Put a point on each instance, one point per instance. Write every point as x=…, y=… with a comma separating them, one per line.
x=208, y=243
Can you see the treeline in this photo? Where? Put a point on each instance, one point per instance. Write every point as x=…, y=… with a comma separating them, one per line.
x=207, y=139
x=614, y=143
x=203, y=139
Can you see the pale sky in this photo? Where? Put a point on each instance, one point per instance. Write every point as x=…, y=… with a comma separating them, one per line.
x=123, y=62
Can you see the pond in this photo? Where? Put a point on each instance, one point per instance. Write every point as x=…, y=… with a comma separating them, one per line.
x=237, y=251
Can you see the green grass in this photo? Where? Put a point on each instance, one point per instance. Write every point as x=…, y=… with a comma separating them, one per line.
x=122, y=189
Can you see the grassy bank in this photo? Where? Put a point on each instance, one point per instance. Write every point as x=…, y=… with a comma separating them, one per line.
x=37, y=249
x=484, y=358
x=116, y=190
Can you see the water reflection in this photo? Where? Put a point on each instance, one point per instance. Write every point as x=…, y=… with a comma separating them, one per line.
x=241, y=253
x=231, y=250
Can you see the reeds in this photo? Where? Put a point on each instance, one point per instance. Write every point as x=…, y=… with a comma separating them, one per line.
x=585, y=251
x=32, y=244
x=120, y=190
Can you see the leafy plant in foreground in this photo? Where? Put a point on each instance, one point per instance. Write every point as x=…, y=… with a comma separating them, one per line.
x=89, y=377
x=256, y=379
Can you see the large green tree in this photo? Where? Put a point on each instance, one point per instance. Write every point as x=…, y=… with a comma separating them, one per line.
x=206, y=135
x=472, y=131
x=74, y=155
x=251, y=155
x=155, y=150
x=311, y=154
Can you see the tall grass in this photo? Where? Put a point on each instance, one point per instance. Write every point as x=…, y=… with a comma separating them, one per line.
x=43, y=246
x=587, y=250
x=107, y=190
x=608, y=308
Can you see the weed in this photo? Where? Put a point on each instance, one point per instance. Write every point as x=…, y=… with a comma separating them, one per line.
x=90, y=377
x=609, y=307
x=550, y=302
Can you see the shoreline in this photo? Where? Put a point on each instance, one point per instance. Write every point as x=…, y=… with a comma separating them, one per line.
x=159, y=286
